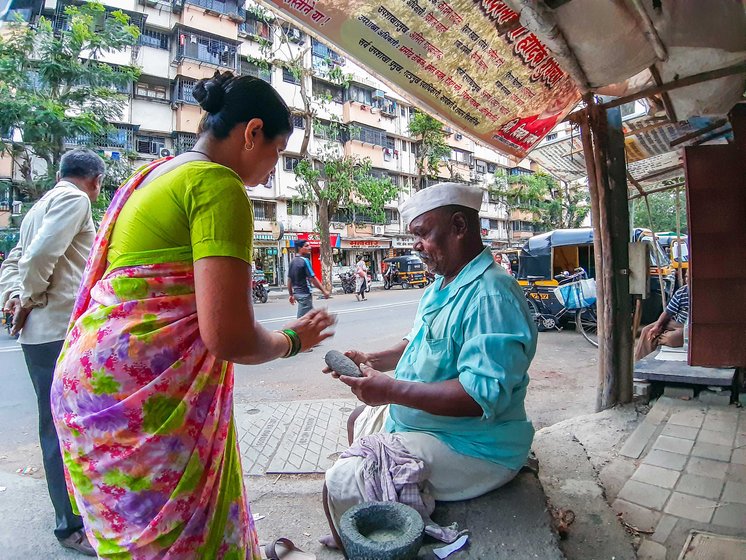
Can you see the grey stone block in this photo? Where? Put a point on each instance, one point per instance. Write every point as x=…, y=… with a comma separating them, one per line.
x=690, y=507
x=650, y=550
x=660, y=411
x=645, y=495
x=735, y=492
x=665, y=459
x=684, y=432
x=730, y=515
x=711, y=436
x=702, y=486
x=664, y=528
x=720, y=423
x=640, y=517
x=707, y=467
x=712, y=451
x=636, y=443
x=692, y=417
x=674, y=444
x=657, y=476
x=739, y=456
x=737, y=472
x=721, y=398
x=674, y=392
x=641, y=388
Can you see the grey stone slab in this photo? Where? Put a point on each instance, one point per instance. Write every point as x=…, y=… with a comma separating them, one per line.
x=674, y=444
x=292, y=437
x=690, y=507
x=735, y=492
x=702, y=486
x=638, y=441
x=716, y=437
x=692, y=417
x=681, y=372
x=673, y=392
x=651, y=550
x=712, y=451
x=726, y=426
x=639, y=517
x=657, y=476
x=737, y=472
x=664, y=528
x=739, y=456
x=731, y=515
x=684, y=432
x=665, y=459
x=521, y=503
x=707, y=467
x=660, y=411
x=645, y=495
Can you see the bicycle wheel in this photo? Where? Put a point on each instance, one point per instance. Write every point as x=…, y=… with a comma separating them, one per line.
x=587, y=323
x=535, y=314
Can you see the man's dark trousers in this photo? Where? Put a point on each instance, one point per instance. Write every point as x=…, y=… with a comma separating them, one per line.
x=41, y=360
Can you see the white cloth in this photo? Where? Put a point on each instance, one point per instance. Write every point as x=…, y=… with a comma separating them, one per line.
x=361, y=274
x=46, y=266
x=442, y=194
x=450, y=476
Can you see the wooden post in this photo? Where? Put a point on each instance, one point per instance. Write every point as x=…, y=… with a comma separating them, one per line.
x=615, y=313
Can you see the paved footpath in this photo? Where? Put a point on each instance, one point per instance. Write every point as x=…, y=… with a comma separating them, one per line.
x=689, y=472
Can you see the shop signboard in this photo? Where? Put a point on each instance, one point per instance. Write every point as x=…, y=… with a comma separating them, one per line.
x=365, y=244
x=470, y=62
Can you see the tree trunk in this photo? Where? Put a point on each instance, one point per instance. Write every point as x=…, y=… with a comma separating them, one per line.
x=326, y=249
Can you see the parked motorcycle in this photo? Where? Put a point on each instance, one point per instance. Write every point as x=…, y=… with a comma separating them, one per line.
x=259, y=292
x=348, y=281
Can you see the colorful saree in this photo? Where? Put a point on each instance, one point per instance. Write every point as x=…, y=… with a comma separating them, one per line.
x=144, y=415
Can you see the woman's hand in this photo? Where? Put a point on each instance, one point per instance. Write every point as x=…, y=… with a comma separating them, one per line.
x=312, y=327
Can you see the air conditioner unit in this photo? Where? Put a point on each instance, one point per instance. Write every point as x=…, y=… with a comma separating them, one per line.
x=164, y=152
x=379, y=94
x=459, y=136
x=378, y=230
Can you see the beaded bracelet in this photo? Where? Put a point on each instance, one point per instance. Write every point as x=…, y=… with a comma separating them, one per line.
x=295, y=339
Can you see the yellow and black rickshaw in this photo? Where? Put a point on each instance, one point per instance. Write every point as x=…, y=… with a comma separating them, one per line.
x=407, y=271
x=546, y=257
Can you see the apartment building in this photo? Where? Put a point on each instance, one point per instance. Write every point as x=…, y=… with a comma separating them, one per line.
x=183, y=41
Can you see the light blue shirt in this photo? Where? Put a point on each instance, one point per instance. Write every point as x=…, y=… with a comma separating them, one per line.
x=477, y=329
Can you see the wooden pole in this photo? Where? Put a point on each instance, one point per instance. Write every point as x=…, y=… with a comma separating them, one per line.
x=699, y=132
x=615, y=321
x=739, y=68
x=658, y=189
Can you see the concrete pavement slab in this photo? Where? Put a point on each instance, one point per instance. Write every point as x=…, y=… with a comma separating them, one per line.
x=690, y=507
x=735, y=492
x=716, y=437
x=664, y=528
x=673, y=444
x=702, y=486
x=650, y=550
x=665, y=459
x=641, y=518
x=657, y=476
x=731, y=515
x=712, y=451
x=645, y=495
x=684, y=432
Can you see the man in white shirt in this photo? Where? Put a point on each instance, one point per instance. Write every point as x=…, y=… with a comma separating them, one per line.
x=39, y=282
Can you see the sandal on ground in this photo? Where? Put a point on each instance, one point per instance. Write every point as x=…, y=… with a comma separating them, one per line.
x=284, y=549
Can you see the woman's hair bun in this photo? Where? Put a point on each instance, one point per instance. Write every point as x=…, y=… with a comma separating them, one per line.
x=210, y=93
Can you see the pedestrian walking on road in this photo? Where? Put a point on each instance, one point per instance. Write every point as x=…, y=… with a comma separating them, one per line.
x=300, y=277
x=361, y=279
x=40, y=280
x=143, y=393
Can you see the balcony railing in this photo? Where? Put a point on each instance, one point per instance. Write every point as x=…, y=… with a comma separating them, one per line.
x=218, y=6
x=206, y=49
x=120, y=137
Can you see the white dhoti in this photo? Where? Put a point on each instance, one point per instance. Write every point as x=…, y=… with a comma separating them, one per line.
x=453, y=477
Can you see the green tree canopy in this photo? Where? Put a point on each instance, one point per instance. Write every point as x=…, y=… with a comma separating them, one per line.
x=54, y=86
x=663, y=210
x=431, y=148
x=551, y=203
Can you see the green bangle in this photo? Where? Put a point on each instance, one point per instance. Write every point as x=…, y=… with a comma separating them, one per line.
x=289, y=343
x=295, y=340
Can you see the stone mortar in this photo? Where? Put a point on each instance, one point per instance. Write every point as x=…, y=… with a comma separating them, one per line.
x=402, y=522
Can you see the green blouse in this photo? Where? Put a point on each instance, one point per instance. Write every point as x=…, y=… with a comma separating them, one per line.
x=199, y=209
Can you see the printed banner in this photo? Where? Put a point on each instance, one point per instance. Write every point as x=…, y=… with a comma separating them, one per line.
x=468, y=61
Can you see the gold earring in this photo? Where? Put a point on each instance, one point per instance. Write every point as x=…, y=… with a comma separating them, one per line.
x=248, y=148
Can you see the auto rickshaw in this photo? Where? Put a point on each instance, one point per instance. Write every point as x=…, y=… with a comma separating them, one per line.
x=549, y=255
x=407, y=271
x=512, y=255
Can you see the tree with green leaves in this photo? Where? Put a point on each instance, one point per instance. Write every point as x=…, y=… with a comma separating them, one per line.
x=335, y=181
x=551, y=203
x=55, y=85
x=662, y=211
x=431, y=147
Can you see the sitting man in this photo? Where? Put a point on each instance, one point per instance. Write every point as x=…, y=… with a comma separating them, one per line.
x=668, y=330
x=456, y=400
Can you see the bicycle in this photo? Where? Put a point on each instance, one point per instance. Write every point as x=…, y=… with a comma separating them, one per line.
x=546, y=319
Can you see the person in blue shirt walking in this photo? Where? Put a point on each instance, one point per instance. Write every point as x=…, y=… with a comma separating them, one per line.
x=300, y=277
x=456, y=400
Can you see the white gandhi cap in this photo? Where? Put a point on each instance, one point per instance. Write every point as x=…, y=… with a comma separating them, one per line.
x=442, y=194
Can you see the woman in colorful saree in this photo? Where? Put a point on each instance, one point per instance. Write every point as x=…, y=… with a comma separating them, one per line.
x=143, y=391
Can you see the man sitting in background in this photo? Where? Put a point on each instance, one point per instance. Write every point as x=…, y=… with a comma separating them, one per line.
x=668, y=330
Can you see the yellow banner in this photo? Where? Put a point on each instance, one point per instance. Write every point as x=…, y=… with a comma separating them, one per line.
x=468, y=61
